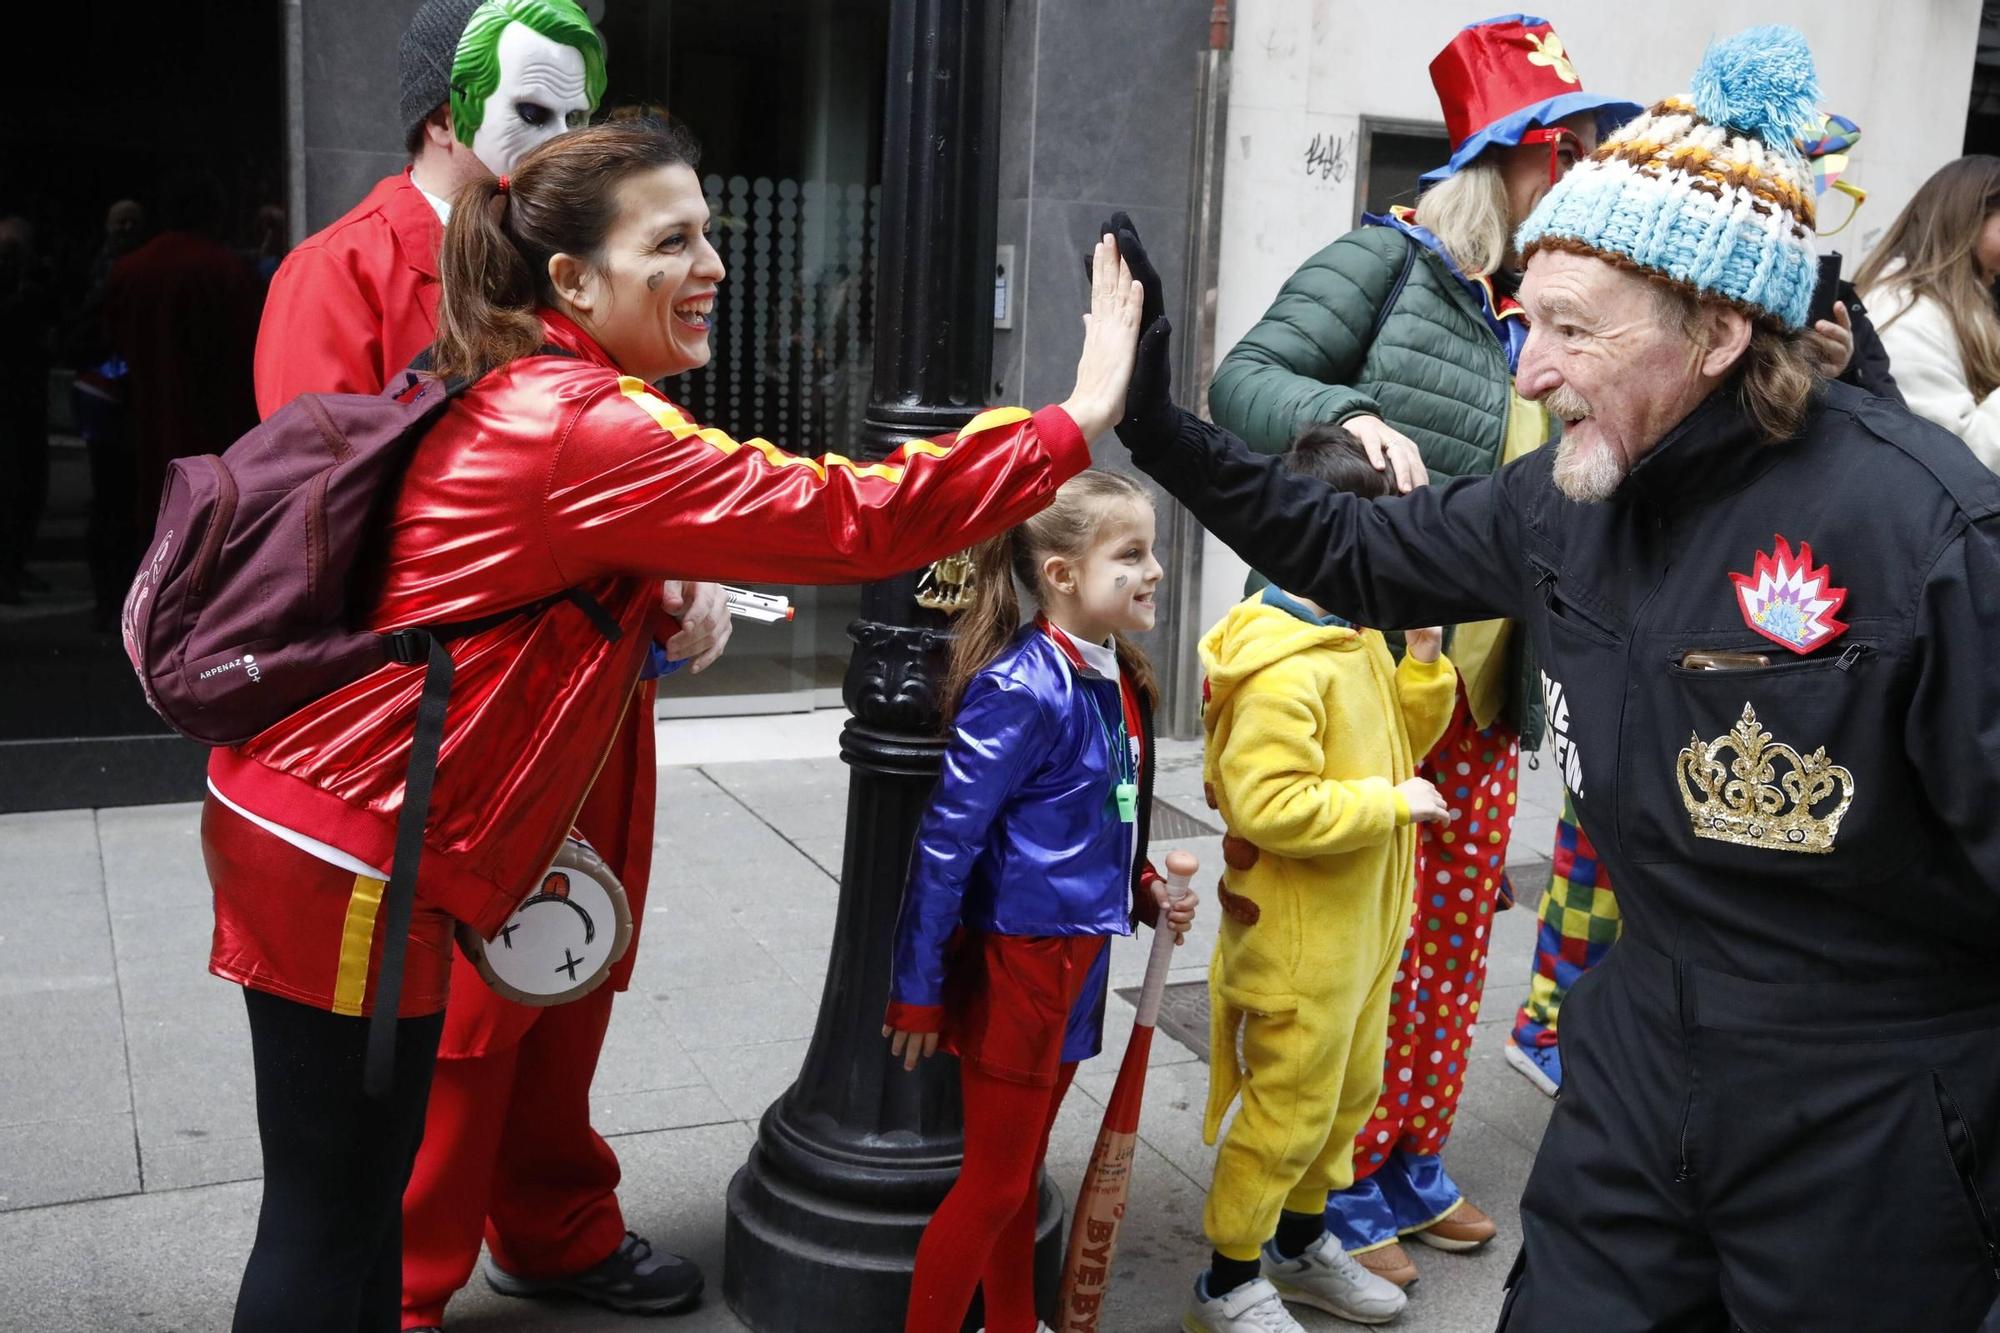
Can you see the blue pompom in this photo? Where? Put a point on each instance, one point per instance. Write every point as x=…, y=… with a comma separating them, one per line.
x=1760, y=82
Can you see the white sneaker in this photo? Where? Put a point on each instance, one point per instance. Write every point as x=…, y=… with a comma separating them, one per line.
x=1253, y=1307
x=1328, y=1278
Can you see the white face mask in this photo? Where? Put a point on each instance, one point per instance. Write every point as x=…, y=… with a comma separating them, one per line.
x=541, y=94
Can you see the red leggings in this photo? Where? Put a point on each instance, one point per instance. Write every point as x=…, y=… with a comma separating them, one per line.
x=983, y=1234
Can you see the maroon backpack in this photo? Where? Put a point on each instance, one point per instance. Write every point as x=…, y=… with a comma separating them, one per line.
x=243, y=609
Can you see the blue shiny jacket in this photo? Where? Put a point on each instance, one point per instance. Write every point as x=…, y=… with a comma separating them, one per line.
x=1021, y=837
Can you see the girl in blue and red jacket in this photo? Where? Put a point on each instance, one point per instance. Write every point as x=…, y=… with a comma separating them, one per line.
x=1032, y=852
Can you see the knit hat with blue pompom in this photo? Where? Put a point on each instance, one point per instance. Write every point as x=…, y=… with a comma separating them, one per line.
x=1706, y=190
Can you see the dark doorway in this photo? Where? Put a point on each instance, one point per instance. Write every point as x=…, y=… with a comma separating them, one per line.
x=178, y=110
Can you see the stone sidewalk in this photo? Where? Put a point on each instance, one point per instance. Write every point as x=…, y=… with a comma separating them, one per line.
x=128, y=1152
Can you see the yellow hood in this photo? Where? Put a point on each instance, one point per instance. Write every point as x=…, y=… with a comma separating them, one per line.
x=1252, y=636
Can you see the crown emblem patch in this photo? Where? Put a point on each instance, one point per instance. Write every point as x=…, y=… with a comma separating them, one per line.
x=1766, y=794
x=1788, y=601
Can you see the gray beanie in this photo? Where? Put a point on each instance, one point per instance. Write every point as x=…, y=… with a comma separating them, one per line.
x=428, y=50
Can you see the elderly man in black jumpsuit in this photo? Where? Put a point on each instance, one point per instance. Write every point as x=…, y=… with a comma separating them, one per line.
x=1776, y=699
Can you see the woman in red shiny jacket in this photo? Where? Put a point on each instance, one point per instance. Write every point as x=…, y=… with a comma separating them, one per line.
x=572, y=286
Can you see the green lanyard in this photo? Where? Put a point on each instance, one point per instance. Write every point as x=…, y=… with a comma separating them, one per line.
x=1124, y=791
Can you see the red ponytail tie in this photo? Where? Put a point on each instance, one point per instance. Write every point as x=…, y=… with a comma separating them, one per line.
x=503, y=185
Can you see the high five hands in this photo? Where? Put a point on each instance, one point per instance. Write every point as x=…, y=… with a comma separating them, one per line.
x=1149, y=408
x=1109, y=330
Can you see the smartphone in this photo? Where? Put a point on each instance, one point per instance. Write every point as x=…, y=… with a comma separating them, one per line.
x=1827, y=291
x=1717, y=660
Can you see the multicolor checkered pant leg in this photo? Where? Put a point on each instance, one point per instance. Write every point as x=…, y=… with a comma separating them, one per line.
x=1443, y=972
x=1578, y=924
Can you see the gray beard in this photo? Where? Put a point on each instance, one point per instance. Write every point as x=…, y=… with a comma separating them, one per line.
x=1588, y=478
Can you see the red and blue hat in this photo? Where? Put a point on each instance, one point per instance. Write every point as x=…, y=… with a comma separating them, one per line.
x=1501, y=77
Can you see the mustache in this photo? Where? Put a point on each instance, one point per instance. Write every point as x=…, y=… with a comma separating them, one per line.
x=1565, y=402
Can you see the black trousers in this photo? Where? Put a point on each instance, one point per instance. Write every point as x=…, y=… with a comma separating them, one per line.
x=329, y=1251
x=1729, y=1154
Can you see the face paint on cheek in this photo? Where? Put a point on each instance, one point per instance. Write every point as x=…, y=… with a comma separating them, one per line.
x=1121, y=581
x=654, y=279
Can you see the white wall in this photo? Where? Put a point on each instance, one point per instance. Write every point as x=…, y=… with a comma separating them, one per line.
x=1301, y=68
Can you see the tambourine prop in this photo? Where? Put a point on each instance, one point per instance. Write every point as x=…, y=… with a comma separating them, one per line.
x=563, y=938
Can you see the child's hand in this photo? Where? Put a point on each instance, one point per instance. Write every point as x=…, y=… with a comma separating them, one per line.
x=1424, y=644
x=1176, y=914
x=1426, y=805
x=911, y=1047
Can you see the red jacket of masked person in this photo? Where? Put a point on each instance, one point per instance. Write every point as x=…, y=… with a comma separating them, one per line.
x=556, y=472
x=355, y=303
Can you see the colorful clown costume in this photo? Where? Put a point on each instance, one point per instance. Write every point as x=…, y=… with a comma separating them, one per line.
x=1577, y=925
x=1310, y=726
x=1400, y=1185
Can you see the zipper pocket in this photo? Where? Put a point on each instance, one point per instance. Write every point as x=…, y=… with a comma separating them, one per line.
x=1965, y=1162
x=1568, y=612
x=218, y=527
x=1851, y=658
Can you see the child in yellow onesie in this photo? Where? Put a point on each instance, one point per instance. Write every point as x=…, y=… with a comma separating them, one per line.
x=1313, y=737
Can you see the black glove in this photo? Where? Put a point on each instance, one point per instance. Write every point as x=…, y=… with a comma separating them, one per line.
x=1122, y=229
x=1149, y=406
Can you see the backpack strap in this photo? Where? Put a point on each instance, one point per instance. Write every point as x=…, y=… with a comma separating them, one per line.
x=1402, y=280
x=379, y=1072
x=427, y=645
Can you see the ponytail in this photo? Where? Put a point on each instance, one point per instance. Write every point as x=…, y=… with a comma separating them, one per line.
x=989, y=620
x=1134, y=663
x=486, y=309
x=560, y=199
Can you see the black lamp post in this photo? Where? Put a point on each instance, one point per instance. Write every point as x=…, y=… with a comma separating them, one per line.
x=824, y=1218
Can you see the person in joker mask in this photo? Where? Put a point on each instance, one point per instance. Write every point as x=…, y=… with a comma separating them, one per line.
x=508, y=1152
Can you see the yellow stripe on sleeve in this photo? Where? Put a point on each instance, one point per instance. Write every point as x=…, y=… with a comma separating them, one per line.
x=357, y=939
x=890, y=469
x=991, y=417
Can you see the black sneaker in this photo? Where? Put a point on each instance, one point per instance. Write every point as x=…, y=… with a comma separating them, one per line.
x=634, y=1280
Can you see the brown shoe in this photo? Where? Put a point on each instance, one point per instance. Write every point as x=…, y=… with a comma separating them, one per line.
x=1391, y=1261
x=1463, y=1228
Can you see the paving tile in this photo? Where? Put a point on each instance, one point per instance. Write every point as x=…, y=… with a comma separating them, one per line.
x=1501, y=1098
x=641, y=1053
x=676, y=953
x=61, y=942
x=192, y=1161
x=805, y=966
x=47, y=854
x=152, y=858
x=772, y=1009
x=63, y=1053
x=60, y=1161
x=749, y=1078
x=625, y=1113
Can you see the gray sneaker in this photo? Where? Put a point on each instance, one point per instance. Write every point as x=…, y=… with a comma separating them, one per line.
x=1328, y=1278
x=635, y=1279
x=1253, y=1307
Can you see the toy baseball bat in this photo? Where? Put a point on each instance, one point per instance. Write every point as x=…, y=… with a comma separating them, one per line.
x=1100, y=1203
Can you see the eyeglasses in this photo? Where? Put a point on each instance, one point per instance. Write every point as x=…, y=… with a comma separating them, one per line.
x=1853, y=192
x=1565, y=149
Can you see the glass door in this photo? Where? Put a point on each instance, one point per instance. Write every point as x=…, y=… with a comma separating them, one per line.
x=786, y=98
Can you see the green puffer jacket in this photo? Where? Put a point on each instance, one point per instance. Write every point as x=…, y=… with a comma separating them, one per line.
x=1377, y=324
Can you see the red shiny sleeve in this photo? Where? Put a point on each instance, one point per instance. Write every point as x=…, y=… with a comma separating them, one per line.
x=320, y=333
x=639, y=488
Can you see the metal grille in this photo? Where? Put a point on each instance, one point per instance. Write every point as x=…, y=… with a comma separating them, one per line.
x=1170, y=821
x=1183, y=1013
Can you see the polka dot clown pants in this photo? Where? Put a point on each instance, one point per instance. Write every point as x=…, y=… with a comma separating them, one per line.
x=1460, y=866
